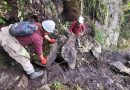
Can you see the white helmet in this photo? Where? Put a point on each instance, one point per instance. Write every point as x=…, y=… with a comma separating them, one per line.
x=81, y=19
x=48, y=25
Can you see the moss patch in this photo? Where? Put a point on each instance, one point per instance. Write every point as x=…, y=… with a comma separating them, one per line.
x=96, y=9
x=99, y=36
x=59, y=86
x=125, y=28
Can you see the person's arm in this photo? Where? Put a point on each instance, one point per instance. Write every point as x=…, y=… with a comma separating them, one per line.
x=51, y=40
x=47, y=37
x=72, y=27
x=83, y=27
x=39, y=50
x=38, y=42
x=81, y=30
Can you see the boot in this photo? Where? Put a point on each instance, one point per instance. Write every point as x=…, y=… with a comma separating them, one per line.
x=36, y=74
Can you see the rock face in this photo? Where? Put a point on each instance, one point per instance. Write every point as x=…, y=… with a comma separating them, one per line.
x=120, y=62
x=77, y=45
x=69, y=52
x=112, y=25
x=82, y=61
x=106, y=15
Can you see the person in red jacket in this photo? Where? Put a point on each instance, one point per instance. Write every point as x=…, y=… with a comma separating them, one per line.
x=77, y=27
x=37, y=38
x=14, y=46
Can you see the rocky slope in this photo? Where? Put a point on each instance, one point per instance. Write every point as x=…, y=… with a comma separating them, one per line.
x=92, y=68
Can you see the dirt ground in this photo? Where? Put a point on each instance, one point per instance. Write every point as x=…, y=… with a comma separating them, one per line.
x=89, y=74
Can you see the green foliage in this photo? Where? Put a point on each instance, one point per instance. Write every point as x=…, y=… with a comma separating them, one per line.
x=128, y=4
x=99, y=36
x=125, y=1
x=124, y=38
x=2, y=21
x=5, y=6
x=23, y=11
x=125, y=24
x=125, y=30
x=96, y=9
x=20, y=4
x=58, y=86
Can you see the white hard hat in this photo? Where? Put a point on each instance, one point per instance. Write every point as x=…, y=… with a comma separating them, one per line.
x=81, y=19
x=48, y=25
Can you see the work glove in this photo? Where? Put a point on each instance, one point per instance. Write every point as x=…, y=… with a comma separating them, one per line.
x=52, y=40
x=44, y=60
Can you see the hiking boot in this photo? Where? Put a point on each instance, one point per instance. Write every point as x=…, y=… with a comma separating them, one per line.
x=36, y=74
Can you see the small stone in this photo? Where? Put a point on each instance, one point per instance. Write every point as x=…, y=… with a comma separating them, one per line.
x=45, y=87
x=23, y=83
x=44, y=80
x=17, y=78
x=122, y=68
x=82, y=59
x=100, y=86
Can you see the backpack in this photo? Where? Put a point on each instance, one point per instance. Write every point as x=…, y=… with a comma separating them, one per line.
x=23, y=28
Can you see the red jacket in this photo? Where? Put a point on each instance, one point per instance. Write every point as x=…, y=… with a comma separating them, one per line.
x=77, y=29
x=35, y=40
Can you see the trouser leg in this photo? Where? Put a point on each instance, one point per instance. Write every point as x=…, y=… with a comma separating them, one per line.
x=23, y=60
x=15, y=49
x=78, y=41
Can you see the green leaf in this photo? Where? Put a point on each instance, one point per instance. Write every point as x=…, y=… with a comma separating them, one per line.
x=21, y=19
x=4, y=2
x=2, y=21
x=128, y=3
x=99, y=37
x=19, y=14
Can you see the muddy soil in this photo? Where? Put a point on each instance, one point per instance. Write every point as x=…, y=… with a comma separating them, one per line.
x=90, y=74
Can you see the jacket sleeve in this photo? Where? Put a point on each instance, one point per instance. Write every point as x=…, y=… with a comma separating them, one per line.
x=38, y=42
x=83, y=27
x=72, y=26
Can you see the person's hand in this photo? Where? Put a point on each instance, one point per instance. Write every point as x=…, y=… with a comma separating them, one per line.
x=81, y=34
x=44, y=60
x=52, y=40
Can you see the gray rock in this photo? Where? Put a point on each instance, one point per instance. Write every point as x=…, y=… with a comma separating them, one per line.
x=69, y=52
x=121, y=67
x=44, y=79
x=88, y=43
x=96, y=51
x=23, y=83
x=45, y=87
x=45, y=1
x=121, y=86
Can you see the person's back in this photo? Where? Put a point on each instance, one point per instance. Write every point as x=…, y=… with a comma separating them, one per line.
x=34, y=39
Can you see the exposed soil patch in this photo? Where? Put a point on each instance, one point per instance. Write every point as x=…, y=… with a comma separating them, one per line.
x=90, y=74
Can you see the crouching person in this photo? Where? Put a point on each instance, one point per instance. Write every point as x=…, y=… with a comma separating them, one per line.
x=14, y=46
